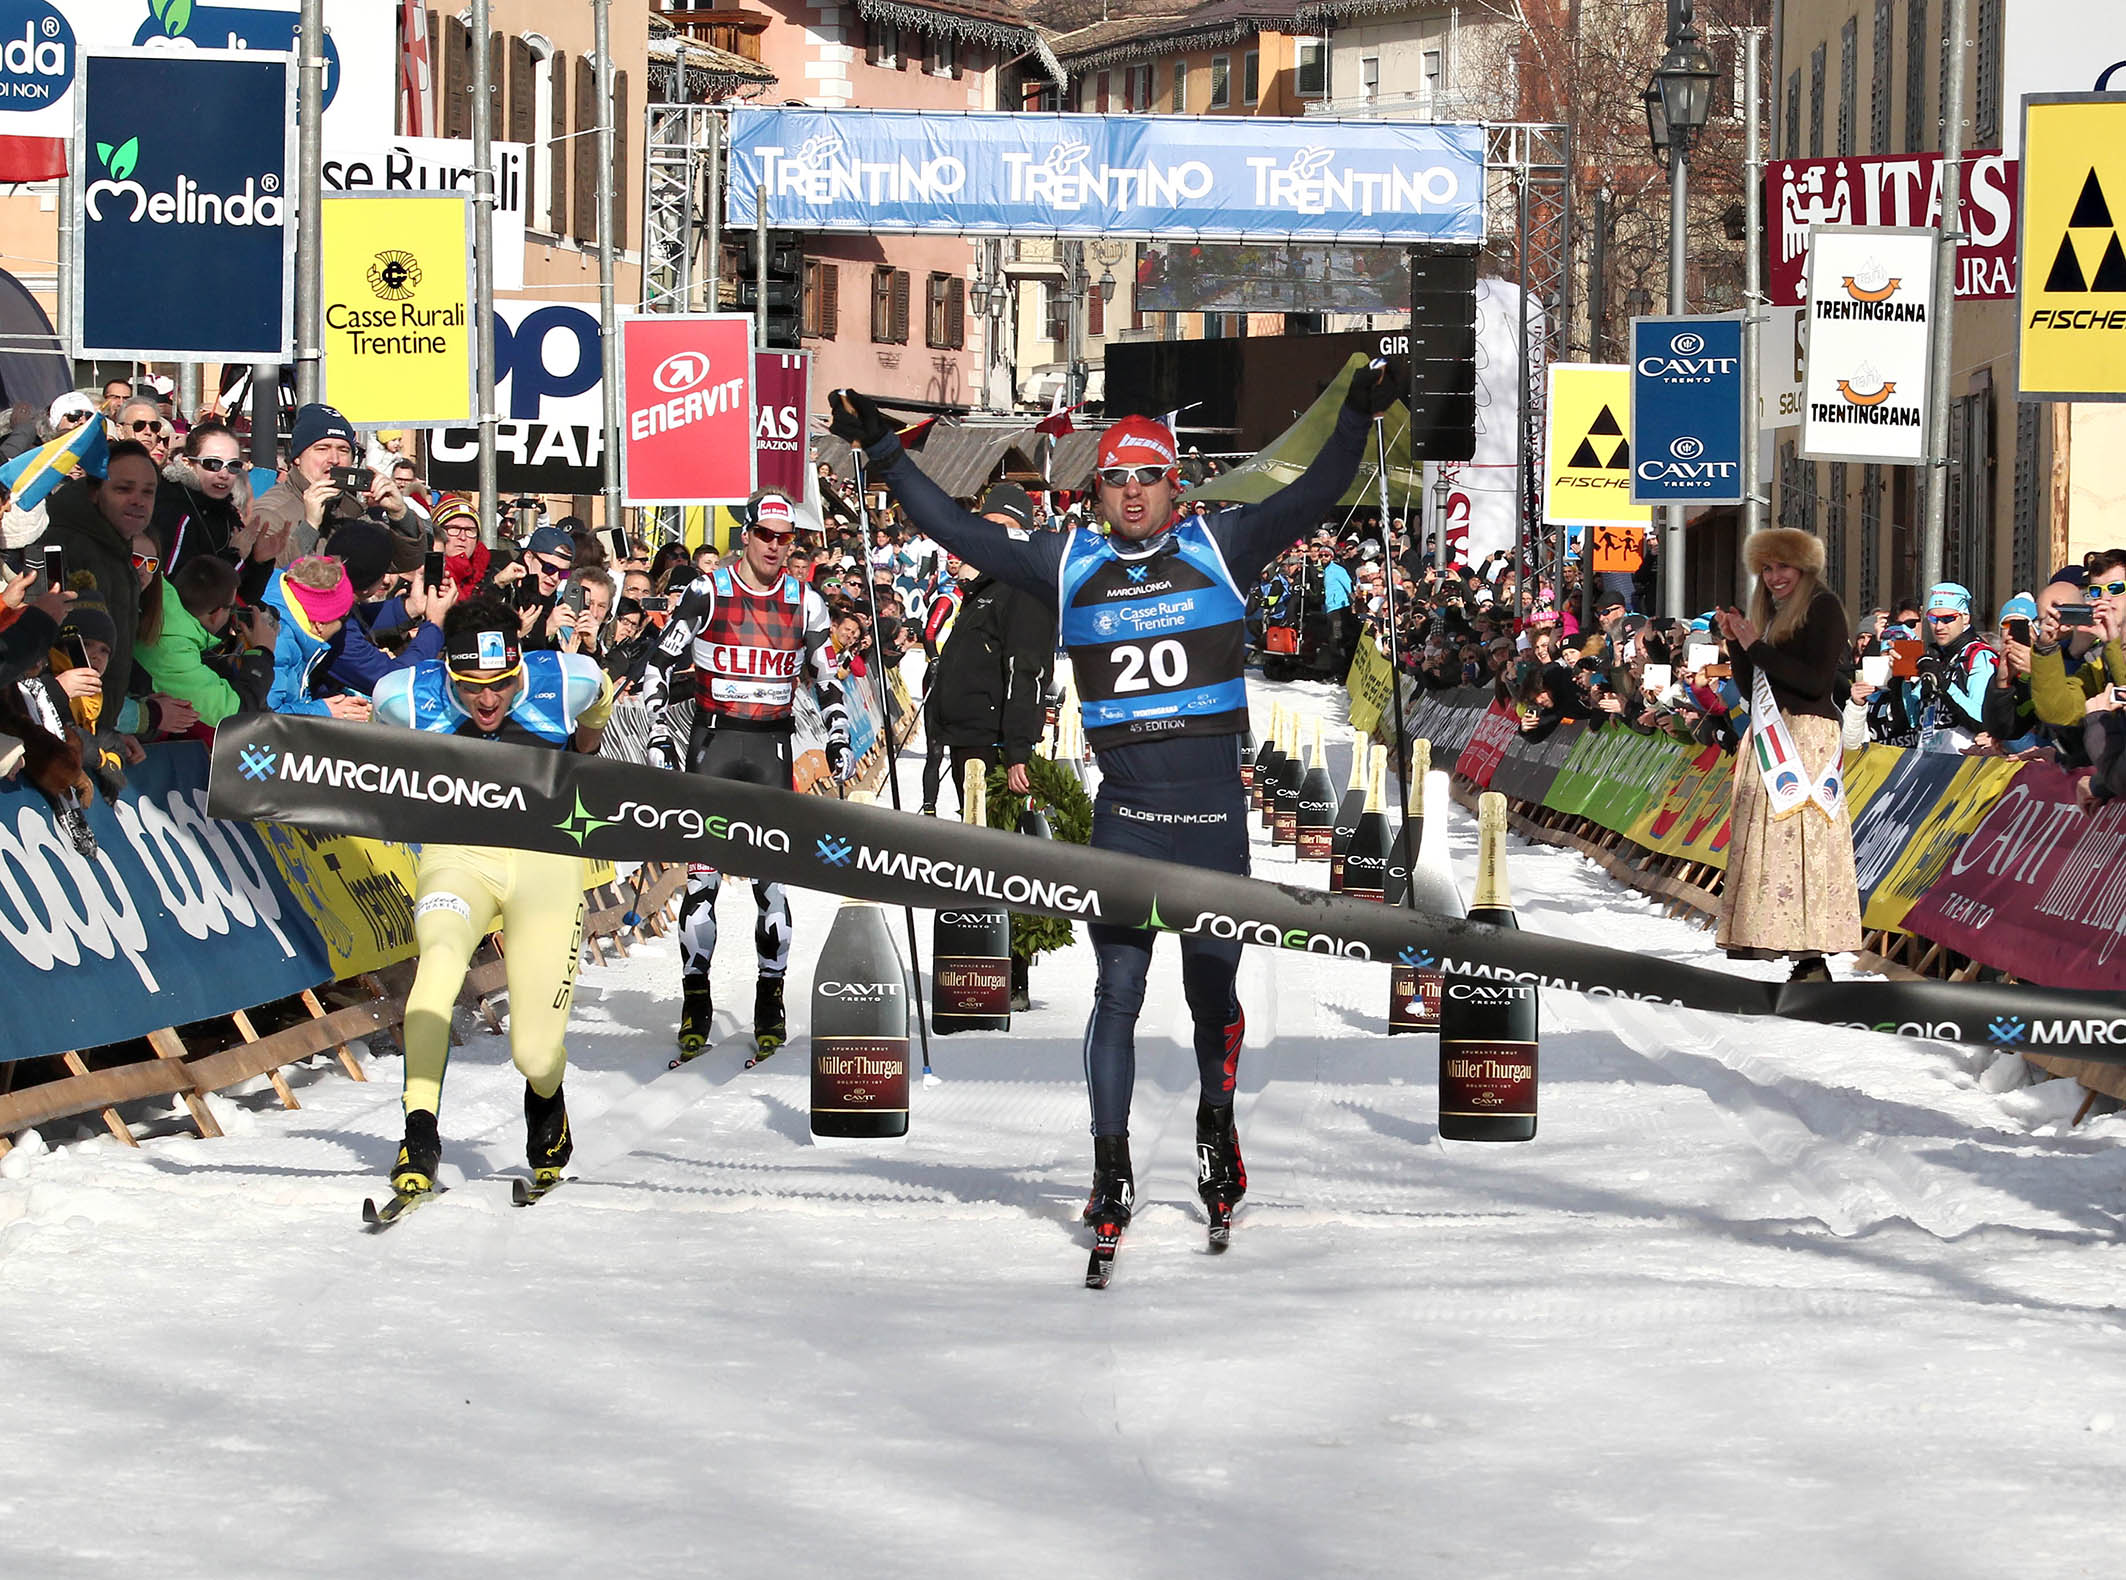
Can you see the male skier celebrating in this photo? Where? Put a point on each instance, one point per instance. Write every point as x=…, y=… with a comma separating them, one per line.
x=487, y=688
x=1152, y=618
x=752, y=630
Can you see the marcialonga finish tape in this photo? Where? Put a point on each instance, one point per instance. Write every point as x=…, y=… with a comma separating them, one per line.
x=349, y=778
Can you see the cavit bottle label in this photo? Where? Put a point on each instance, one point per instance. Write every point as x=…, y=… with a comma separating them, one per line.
x=860, y=1075
x=971, y=985
x=1488, y=1080
x=1413, y=999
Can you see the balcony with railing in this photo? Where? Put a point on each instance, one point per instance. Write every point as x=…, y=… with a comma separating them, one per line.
x=725, y=27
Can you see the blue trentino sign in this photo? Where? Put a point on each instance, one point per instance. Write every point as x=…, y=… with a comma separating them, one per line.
x=1109, y=175
x=1686, y=411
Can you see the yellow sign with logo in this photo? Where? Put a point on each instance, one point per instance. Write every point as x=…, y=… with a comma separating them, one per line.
x=1979, y=782
x=398, y=308
x=1371, y=683
x=2070, y=299
x=1586, y=451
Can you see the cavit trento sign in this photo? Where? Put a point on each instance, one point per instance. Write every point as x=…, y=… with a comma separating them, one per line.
x=1082, y=174
x=1686, y=410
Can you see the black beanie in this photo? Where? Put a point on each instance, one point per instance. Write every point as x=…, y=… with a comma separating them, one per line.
x=365, y=549
x=88, y=616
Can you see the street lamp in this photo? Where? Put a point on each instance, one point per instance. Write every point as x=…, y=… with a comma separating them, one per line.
x=1679, y=101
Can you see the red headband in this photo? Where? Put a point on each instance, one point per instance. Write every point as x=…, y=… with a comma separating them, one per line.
x=1138, y=441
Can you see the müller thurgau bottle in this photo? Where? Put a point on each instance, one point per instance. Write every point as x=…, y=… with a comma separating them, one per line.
x=970, y=964
x=1284, y=793
x=860, y=1028
x=1366, y=857
x=1348, y=811
x=1266, y=758
x=1315, y=824
x=1487, y=1027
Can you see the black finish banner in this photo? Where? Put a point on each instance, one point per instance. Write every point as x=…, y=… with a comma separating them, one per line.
x=349, y=778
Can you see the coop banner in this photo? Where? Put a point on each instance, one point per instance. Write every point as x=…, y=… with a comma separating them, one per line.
x=1108, y=175
x=175, y=917
x=185, y=234
x=358, y=779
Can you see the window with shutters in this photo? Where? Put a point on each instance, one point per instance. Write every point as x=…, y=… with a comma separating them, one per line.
x=520, y=117
x=1870, y=533
x=1987, y=126
x=531, y=113
x=583, y=164
x=1104, y=92
x=1916, y=76
x=941, y=55
x=1834, y=530
x=1810, y=500
x=1055, y=312
x=1879, y=79
x=882, y=44
x=889, y=306
x=1789, y=486
x=1816, y=73
x=1221, y=82
x=1848, y=82
x=1793, y=114
x=1311, y=78
x=1251, y=77
x=945, y=313
x=497, y=84
x=823, y=299
x=2022, y=547
x=1095, y=311
x=555, y=163
x=457, y=78
x=1180, y=104
x=620, y=160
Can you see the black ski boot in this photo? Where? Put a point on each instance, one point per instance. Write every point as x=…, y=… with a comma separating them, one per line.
x=547, y=1144
x=1021, y=989
x=770, y=1027
x=1114, y=1190
x=420, y=1155
x=1221, y=1176
x=696, y=1009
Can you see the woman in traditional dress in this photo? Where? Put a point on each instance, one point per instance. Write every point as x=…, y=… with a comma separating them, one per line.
x=1791, y=892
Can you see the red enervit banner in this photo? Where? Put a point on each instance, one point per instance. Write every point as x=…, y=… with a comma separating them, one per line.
x=1890, y=189
x=781, y=381
x=2039, y=890
x=686, y=408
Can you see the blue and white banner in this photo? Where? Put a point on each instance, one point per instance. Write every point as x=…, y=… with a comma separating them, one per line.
x=1108, y=175
x=183, y=161
x=176, y=918
x=1686, y=410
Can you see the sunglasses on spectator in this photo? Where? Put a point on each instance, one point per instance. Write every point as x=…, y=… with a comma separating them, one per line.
x=2096, y=590
x=1944, y=619
x=147, y=562
x=1122, y=476
x=148, y=425
x=214, y=463
x=767, y=535
x=549, y=566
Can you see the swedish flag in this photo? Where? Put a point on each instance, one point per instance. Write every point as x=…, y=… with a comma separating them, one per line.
x=32, y=475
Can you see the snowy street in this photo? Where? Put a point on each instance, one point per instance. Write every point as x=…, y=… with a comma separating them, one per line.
x=1760, y=1300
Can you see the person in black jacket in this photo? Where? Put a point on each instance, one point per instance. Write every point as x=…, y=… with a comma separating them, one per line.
x=984, y=703
x=199, y=509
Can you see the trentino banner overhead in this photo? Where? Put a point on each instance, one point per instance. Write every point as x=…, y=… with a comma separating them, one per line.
x=1108, y=175
x=185, y=237
x=1870, y=321
x=1686, y=410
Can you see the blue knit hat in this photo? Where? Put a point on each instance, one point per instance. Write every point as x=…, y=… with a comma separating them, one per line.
x=318, y=421
x=1948, y=597
x=2021, y=607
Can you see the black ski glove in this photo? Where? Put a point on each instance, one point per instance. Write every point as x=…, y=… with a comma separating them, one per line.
x=855, y=417
x=1374, y=388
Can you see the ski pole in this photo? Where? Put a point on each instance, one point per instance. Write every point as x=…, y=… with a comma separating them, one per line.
x=1395, y=656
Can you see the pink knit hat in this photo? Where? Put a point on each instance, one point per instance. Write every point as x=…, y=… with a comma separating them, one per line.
x=319, y=604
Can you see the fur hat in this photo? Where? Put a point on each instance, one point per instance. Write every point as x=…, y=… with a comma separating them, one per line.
x=1787, y=546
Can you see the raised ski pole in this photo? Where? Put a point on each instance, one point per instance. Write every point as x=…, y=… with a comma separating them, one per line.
x=1395, y=656
x=885, y=720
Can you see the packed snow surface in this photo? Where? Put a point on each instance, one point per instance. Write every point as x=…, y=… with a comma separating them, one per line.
x=1761, y=1299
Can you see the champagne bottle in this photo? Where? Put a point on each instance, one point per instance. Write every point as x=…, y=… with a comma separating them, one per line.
x=1348, y=811
x=970, y=947
x=1428, y=886
x=860, y=1028
x=1366, y=861
x=1396, y=888
x=1248, y=749
x=1284, y=794
x=1266, y=764
x=1316, y=821
x=1488, y=1027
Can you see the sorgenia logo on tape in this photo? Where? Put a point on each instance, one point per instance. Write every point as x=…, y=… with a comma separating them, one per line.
x=345, y=773
x=695, y=824
x=1216, y=924
x=185, y=203
x=1009, y=887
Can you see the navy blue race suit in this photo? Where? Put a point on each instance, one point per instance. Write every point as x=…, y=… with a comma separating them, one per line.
x=1155, y=634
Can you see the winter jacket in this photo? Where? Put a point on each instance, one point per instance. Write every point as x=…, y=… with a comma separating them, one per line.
x=988, y=683
x=299, y=656
x=176, y=662
x=92, y=544
x=2061, y=688
x=357, y=663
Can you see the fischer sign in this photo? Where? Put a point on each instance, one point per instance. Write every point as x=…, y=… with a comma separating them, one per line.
x=686, y=422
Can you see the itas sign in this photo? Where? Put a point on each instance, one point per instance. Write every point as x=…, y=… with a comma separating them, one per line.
x=184, y=162
x=780, y=384
x=1900, y=191
x=1870, y=316
x=1686, y=411
x=686, y=425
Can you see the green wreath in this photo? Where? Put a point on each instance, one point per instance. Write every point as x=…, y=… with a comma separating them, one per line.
x=1070, y=816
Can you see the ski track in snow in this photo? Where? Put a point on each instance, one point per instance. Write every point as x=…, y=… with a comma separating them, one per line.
x=1759, y=1296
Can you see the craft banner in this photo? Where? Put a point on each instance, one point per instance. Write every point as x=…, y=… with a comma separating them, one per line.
x=1870, y=313
x=1865, y=770
x=355, y=778
x=1582, y=771
x=2039, y=891
x=184, y=160
x=176, y=918
x=1145, y=176
x=1642, y=765
x=1891, y=189
x=1962, y=805
x=1686, y=410
x=1885, y=826
x=398, y=308
x=1532, y=767
x=1587, y=448
x=2071, y=310
x=358, y=894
